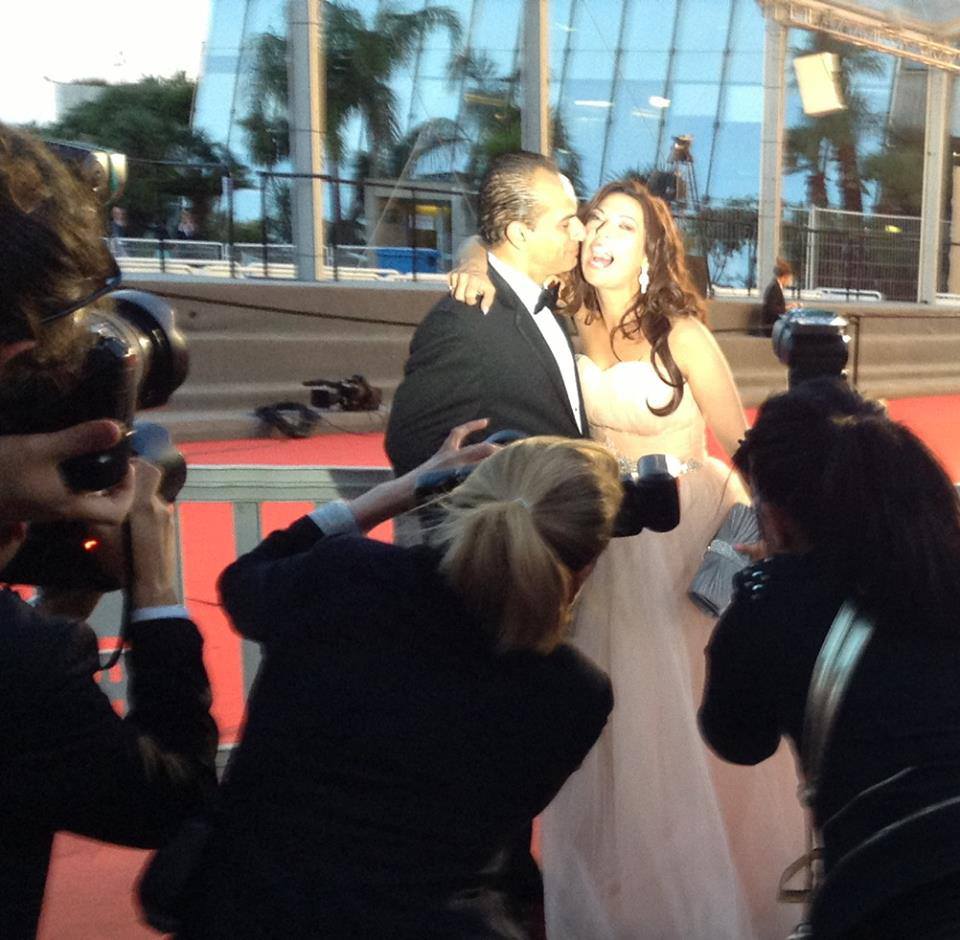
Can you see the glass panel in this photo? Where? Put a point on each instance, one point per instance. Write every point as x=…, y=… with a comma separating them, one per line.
x=695, y=65
x=694, y=100
x=855, y=174
x=703, y=26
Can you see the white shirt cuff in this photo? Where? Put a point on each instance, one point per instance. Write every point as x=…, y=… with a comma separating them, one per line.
x=335, y=518
x=169, y=612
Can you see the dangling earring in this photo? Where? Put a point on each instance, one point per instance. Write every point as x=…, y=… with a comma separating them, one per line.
x=644, y=278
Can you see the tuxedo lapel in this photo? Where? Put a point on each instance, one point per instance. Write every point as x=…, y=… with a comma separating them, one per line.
x=533, y=338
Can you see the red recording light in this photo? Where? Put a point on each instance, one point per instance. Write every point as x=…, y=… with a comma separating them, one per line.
x=90, y=544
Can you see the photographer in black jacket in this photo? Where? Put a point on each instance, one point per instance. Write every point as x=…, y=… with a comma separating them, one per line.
x=853, y=506
x=67, y=760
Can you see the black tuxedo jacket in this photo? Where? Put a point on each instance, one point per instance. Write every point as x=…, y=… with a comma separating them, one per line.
x=390, y=756
x=464, y=365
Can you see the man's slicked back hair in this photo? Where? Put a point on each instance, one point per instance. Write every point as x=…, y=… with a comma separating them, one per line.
x=506, y=193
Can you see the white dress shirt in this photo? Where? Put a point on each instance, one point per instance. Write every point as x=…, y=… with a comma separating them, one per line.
x=529, y=293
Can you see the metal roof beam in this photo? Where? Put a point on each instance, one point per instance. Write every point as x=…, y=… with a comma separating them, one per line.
x=865, y=29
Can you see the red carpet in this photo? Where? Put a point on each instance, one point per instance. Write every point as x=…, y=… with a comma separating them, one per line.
x=88, y=893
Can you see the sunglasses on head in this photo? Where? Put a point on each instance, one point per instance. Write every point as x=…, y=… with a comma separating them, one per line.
x=110, y=284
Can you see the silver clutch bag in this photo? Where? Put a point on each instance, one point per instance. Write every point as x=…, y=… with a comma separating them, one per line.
x=712, y=586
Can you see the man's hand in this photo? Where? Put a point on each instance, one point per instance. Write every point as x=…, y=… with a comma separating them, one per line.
x=33, y=489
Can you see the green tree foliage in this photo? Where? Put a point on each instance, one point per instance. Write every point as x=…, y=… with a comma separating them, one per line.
x=150, y=120
x=361, y=60
x=267, y=128
x=898, y=169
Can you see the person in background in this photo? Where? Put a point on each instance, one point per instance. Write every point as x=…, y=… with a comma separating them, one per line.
x=774, y=297
x=118, y=230
x=186, y=227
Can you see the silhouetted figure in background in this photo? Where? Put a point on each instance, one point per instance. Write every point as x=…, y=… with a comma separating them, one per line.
x=774, y=302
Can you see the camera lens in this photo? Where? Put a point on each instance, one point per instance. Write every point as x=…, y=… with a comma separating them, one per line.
x=145, y=322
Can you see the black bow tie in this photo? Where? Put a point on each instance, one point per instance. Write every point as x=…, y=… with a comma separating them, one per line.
x=548, y=297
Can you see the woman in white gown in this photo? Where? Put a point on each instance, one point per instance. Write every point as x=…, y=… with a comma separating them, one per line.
x=653, y=838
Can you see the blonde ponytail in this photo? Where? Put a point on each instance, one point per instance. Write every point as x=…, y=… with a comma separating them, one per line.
x=518, y=529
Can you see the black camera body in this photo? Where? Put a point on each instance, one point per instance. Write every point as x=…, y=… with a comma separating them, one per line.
x=651, y=498
x=67, y=554
x=136, y=359
x=811, y=344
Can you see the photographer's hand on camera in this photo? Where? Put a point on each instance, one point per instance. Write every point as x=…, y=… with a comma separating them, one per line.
x=153, y=551
x=260, y=590
x=32, y=488
x=153, y=541
x=395, y=496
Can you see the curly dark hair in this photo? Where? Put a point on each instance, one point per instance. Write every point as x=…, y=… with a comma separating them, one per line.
x=670, y=294
x=867, y=495
x=52, y=252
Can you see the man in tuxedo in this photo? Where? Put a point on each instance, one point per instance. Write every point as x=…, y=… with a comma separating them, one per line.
x=514, y=363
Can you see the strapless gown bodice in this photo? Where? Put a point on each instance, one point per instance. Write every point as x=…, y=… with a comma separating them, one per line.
x=653, y=838
x=617, y=401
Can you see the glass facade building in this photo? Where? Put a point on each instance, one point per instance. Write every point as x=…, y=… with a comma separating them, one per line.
x=434, y=89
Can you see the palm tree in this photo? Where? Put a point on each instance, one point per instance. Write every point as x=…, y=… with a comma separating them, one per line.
x=491, y=118
x=835, y=138
x=361, y=60
x=267, y=130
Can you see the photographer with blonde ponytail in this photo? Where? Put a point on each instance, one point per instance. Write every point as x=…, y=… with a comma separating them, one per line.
x=416, y=707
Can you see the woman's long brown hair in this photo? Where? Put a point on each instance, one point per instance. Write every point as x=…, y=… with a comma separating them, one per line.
x=670, y=293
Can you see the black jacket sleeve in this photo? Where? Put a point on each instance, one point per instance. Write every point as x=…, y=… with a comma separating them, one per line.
x=298, y=580
x=738, y=716
x=774, y=304
x=70, y=762
x=442, y=385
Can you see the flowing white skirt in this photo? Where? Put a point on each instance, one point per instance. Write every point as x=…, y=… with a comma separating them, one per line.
x=654, y=838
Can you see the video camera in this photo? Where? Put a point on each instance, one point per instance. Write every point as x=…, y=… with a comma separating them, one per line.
x=811, y=344
x=353, y=394
x=651, y=496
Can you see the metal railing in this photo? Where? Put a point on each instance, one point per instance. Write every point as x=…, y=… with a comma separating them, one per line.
x=246, y=489
x=390, y=230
